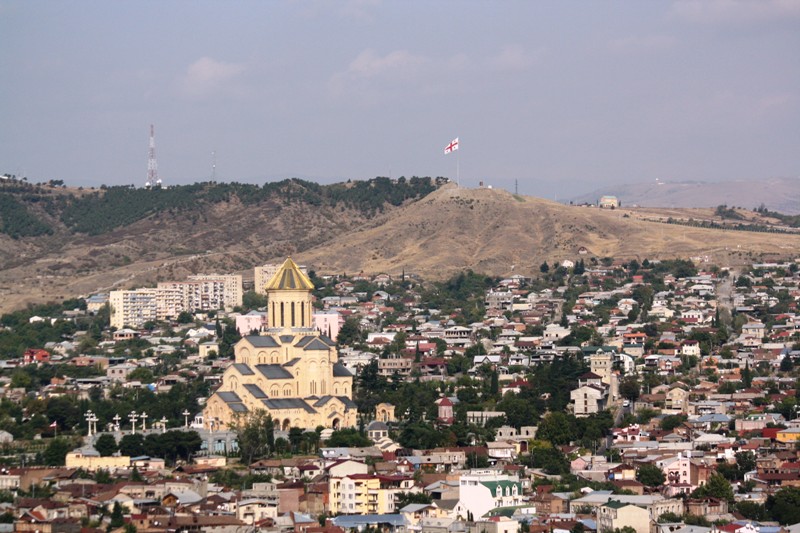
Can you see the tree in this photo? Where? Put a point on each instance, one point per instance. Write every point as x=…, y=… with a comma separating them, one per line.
x=253, y=435
x=557, y=428
x=349, y=333
x=404, y=498
x=185, y=317
x=348, y=437
x=668, y=423
x=132, y=445
x=106, y=445
x=629, y=388
x=544, y=268
x=117, y=518
x=56, y=452
x=650, y=475
x=784, y=505
x=716, y=487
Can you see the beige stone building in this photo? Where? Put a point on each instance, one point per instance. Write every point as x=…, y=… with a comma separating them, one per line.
x=290, y=370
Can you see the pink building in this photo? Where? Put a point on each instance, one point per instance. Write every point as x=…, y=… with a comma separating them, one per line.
x=254, y=320
x=328, y=323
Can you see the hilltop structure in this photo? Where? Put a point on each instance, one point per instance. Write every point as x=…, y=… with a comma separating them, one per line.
x=290, y=370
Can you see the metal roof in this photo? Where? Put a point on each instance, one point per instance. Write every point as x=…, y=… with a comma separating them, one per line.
x=288, y=403
x=262, y=341
x=274, y=372
x=255, y=390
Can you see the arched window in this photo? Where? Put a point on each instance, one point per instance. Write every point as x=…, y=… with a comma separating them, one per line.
x=292, y=314
x=303, y=314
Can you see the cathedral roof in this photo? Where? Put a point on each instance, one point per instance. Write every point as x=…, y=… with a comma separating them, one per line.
x=233, y=401
x=340, y=371
x=288, y=403
x=274, y=372
x=316, y=344
x=289, y=277
x=243, y=369
x=229, y=397
x=255, y=390
x=262, y=341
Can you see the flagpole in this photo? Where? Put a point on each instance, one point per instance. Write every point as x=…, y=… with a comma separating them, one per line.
x=458, y=179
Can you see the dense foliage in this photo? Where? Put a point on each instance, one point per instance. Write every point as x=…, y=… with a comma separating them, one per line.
x=108, y=208
x=16, y=221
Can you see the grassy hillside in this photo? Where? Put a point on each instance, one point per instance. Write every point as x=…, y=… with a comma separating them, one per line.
x=101, y=211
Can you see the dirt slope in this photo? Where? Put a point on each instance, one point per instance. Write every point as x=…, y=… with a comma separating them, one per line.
x=490, y=230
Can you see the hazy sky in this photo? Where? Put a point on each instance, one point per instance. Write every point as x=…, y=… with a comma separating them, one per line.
x=562, y=96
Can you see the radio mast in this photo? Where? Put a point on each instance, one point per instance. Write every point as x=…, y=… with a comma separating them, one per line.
x=153, y=180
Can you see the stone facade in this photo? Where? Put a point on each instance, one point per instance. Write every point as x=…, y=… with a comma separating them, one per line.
x=289, y=371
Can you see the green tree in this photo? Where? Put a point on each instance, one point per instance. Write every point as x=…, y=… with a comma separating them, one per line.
x=117, y=518
x=106, y=445
x=629, y=388
x=784, y=505
x=348, y=437
x=544, y=268
x=56, y=452
x=557, y=428
x=405, y=498
x=650, y=475
x=716, y=487
x=253, y=435
x=349, y=333
x=185, y=317
x=670, y=422
x=132, y=445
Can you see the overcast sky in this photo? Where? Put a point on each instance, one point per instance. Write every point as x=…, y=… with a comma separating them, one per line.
x=562, y=96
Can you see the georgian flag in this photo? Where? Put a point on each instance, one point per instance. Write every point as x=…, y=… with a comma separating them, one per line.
x=452, y=147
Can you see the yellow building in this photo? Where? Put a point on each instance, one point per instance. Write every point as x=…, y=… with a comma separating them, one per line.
x=367, y=493
x=290, y=370
x=788, y=435
x=89, y=459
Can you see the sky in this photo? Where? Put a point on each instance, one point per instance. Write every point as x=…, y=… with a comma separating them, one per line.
x=554, y=97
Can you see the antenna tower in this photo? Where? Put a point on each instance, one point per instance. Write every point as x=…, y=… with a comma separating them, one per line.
x=152, y=165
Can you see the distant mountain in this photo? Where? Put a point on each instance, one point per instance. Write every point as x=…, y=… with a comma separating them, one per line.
x=777, y=194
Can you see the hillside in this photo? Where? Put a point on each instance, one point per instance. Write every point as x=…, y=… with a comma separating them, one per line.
x=371, y=226
x=777, y=194
x=490, y=230
x=85, y=241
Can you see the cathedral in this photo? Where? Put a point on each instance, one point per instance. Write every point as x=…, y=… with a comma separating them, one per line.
x=289, y=371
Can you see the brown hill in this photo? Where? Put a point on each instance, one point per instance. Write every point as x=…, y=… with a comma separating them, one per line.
x=491, y=231
x=226, y=237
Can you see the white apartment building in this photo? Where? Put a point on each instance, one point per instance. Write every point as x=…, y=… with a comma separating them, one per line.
x=132, y=308
x=226, y=287
x=207, y=292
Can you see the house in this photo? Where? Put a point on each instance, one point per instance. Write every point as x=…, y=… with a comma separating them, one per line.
x=615, y=515
x=35, y=356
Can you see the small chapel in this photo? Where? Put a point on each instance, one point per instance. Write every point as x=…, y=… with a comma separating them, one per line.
x=289, y=370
